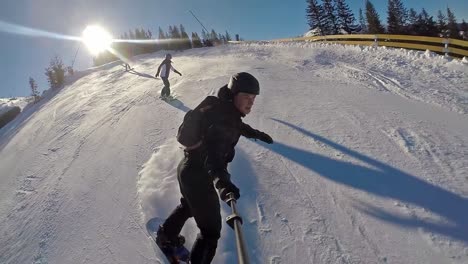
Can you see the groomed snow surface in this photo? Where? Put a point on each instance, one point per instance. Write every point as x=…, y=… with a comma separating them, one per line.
x=369, y=165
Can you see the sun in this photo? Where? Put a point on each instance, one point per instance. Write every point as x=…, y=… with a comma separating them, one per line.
x=96, y=39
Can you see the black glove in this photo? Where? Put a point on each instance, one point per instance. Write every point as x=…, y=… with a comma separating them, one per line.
x=227, y=188
x=222, y=182
x=264, y=137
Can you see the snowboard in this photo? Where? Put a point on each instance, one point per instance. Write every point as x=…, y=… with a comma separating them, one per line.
x=169, y=98
x=175, y=255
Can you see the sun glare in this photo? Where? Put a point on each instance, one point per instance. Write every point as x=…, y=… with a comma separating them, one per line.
x=96, y=39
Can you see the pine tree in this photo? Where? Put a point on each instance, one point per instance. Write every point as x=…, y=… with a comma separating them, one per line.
x=396, y=19
x=425, y=25
x=175, y=33
x=59, y=70
x=137, y=49
x=315, y=16
x=131, y=34
x=464, y=29
x=145, y=33
x=196, y=40
x=373, y=20
x=55, y=73
x=452, y=26
x=228, y=37
x=362, y=21
x=345, y=16
x=138, y=34
x=170, y=33
x=392, y=21
x=214, y=37
x=186, y=43
x=330, y=17
x=161, y=34
x=204, y=34
x=34, y=91
x=162, y=39
x=412, y=20
x=206, y=39
x=442, y=24
x=151, y=47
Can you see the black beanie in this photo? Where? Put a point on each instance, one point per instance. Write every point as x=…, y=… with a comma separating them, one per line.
x=244, y=82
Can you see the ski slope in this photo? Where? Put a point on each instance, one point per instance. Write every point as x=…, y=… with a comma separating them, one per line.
x=369, y=165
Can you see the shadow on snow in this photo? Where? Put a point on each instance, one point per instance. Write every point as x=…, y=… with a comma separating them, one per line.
x=385, y=181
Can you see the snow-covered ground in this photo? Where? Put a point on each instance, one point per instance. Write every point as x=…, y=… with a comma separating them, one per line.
x=8, y=103
x=369, y=165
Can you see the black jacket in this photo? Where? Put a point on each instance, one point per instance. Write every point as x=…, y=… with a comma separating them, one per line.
x=223, y=128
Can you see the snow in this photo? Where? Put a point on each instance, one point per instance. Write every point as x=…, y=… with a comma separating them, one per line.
x=369, y=163
x=8, y=103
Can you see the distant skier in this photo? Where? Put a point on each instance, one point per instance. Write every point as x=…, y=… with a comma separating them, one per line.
x=164, y=70
x=127, y=67
x=204, y=166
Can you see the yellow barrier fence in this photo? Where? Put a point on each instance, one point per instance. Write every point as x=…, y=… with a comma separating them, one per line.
x=441, y=45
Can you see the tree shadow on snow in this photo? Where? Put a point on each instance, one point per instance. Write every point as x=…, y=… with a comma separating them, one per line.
x=385, y=181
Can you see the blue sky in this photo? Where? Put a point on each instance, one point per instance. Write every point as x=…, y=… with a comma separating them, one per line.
x=22, y=57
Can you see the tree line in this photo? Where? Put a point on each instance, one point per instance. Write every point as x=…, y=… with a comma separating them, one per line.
x=332, y=17
x=55, y=73
x=329, y=17
x=176, y=38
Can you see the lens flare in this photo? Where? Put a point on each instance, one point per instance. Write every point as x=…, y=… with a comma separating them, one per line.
x=32, y=32
x=96, y=39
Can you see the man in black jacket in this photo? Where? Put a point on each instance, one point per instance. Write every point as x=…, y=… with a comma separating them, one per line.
x=164, y=70
x=204, y=168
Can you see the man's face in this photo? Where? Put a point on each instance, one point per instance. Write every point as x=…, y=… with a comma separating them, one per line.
x=244, y=102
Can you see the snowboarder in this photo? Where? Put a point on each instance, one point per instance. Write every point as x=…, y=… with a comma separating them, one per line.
x=204, y=167
x=127, y=67
x=164, y=70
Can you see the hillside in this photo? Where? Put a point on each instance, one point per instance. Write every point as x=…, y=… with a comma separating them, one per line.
x=369, y=163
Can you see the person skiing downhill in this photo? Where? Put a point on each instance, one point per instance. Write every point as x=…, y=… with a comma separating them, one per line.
x=204, y=168
x=164, y=70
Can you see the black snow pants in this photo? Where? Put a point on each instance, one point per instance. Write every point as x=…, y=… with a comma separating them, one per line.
x=199, y=200
x=166, y=91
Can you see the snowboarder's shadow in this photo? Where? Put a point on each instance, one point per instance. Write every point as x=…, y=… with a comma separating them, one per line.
x=133, y=71
x=385, y=181
x=177, y=104
x=243, y=175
